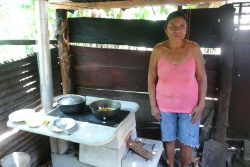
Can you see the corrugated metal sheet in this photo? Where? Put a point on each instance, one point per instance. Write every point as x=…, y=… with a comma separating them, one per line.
x=20, y=88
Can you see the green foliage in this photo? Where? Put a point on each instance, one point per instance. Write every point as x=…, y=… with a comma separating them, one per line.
x=72, y=15
x=192, y=7
x=27, y=4
x=164, y=10
x=142, y=14
x=18, y=21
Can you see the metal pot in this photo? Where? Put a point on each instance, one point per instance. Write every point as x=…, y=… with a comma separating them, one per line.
x=105, y=109
x=72, y=104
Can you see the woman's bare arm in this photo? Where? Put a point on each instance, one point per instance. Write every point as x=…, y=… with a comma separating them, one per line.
x=202, y=82
x=152, y=80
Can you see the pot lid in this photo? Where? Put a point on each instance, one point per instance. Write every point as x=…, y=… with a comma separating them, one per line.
x=70, y=100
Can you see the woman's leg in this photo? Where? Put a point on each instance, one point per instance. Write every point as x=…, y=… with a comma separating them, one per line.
x=188, y=134
x=168, y=134
x=170, y=152
x=186, y=153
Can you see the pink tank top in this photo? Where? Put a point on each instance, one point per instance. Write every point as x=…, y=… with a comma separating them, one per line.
x=177, y=87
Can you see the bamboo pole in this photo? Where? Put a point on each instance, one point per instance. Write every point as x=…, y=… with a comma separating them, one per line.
x=44, y=57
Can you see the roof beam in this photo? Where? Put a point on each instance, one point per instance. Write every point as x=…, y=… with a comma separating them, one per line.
x=68, y=5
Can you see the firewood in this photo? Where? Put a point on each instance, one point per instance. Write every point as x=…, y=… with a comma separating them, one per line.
x=137, y=147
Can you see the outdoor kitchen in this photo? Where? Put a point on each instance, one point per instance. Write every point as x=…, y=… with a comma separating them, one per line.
x=102, y=140
x=95, y=61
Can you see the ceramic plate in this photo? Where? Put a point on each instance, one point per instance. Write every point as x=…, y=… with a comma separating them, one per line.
x=70, y=123
x=19, y=115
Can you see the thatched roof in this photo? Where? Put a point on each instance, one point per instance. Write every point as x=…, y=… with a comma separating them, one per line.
x=102, y=4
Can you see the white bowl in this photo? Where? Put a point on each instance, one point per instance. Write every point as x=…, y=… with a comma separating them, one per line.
x=18, y=116
x=34, y=119
x=20, y=159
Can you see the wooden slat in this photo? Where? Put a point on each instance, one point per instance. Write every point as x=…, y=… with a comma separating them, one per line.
x=12, y=83
x=243, y=36
x=15, y=89
x=207, y=41
x=19, y=79
x=126, y=69
x=124, y=58
x=212, y=62
x=212, y=82
x=133, y=79
x=144, y=32
x=16, y=64
x=130, y=79
x=110, y=57
x=204, y=31
x=116, y=31
x=239, y=106
x=23, y=42
x=20, y=102
x=204, y=21
x=67, y=4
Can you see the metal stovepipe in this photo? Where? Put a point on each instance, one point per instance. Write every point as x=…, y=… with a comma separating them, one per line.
x=44, y=57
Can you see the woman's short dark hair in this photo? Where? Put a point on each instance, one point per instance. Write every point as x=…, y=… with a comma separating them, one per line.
x=176, y=14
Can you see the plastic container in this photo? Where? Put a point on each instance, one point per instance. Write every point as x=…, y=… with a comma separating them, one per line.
x=16, y=159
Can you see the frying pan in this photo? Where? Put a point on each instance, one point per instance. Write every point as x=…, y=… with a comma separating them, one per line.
x=112, y=109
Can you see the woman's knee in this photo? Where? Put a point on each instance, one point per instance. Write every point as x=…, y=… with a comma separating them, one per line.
x=170, y=143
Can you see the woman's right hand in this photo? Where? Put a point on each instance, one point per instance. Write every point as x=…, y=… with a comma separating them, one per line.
x=156, y=113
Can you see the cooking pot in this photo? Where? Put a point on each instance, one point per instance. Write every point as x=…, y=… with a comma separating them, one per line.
x=105, y=109
x=72, y=104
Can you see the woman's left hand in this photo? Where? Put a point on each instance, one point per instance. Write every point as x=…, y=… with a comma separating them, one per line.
x=196, y=114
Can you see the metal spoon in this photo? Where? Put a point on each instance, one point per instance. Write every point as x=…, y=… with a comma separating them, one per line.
x=60, y=123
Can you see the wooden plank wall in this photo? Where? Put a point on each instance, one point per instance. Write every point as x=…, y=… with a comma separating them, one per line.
x=122, y=74
x=102, y=72
x=20, y=88
x=239, y=109
x=125, y=71
x=144, y=33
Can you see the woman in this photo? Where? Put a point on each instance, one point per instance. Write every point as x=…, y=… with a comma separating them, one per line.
x=177, y=85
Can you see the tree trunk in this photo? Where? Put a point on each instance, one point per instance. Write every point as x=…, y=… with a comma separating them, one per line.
x=63, y=51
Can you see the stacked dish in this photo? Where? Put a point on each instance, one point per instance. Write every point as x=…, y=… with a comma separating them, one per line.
x=19, y=115
x=29, y=116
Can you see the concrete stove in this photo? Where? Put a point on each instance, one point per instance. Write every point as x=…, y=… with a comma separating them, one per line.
x=99, y=145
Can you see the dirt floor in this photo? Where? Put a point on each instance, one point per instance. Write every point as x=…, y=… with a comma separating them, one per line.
x=233, y=160
x=236, y=161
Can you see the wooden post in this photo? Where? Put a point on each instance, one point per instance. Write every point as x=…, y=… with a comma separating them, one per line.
x=63, y=50
x=226, y=71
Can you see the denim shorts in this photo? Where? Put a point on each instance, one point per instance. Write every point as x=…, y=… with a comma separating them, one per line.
x=179, y=126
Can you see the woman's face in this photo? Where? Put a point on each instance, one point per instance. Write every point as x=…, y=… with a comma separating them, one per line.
x=176, y=28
